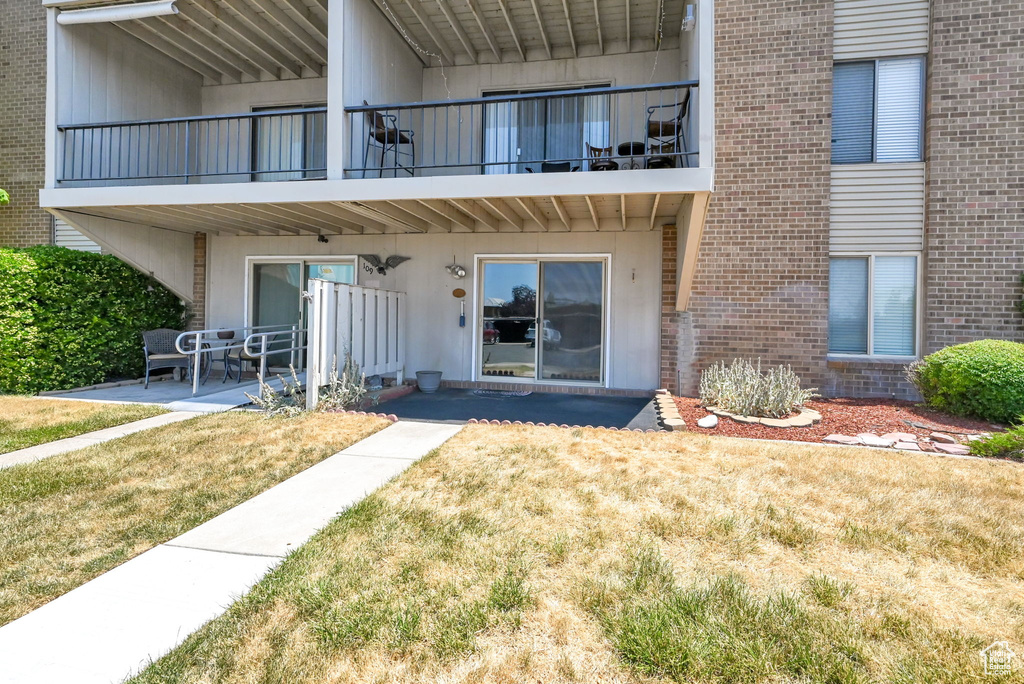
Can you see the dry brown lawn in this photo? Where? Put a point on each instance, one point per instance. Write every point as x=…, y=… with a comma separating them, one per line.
x=521, y=554
x=28, y=421
x=69, y=518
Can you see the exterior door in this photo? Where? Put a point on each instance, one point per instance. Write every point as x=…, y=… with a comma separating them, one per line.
x=543, y=320
x=277, y=300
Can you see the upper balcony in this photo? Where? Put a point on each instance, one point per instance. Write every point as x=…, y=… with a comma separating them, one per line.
x=575, y=129
x=243, y=93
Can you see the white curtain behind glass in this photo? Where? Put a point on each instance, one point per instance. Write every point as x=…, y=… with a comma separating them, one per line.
x=501, y=137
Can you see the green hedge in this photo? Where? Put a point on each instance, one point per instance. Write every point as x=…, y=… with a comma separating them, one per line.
x=983, y=379
x=70, y=318
x=1009, y=444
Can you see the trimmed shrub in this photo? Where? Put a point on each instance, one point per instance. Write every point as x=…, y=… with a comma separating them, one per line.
x=1009, y=444
x=70, y=318
x=742, y=388
x=983, y=379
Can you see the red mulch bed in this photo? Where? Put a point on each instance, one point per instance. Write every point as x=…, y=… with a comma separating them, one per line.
x=844, y=417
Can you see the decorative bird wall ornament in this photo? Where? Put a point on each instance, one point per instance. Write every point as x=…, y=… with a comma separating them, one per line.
x=383, y=266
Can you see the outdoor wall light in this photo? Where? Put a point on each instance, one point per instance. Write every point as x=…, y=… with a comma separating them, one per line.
x=456, y=271
x=127, y=12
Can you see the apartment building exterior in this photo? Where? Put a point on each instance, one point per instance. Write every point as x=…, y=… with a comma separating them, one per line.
x=632, y=190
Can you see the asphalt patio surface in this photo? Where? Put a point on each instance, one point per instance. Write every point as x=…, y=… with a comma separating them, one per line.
x=459, y=405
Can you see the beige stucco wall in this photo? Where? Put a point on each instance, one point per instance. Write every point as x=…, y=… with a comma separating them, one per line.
x=436, y=341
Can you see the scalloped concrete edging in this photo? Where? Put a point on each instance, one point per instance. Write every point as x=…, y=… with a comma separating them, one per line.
x=805, y=418
x=668, y=411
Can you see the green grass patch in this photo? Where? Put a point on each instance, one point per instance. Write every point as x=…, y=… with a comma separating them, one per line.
x=28, y=421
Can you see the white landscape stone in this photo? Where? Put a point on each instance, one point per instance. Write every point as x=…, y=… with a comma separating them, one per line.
x=873, y=440
x=843, y=439
x=708, y=421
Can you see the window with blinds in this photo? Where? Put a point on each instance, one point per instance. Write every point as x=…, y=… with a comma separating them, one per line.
x=878, y=111
x=872, y=305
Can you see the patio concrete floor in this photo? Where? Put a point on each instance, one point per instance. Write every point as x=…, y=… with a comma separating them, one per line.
x=212, y=397
x=459, y=405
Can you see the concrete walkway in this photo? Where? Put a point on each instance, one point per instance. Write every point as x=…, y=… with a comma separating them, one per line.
x=62, y=446
x=113, y=626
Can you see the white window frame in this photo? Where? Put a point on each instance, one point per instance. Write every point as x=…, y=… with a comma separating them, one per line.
x=923, y=63
x=918, y=313
x=303, y=260
x=478, y=321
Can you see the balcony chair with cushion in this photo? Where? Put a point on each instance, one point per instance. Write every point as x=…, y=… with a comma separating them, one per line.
x=555, y=167
x=600, y=158
x=384, y=131
x=663, y=156
x=158, y=348
x=670, y=132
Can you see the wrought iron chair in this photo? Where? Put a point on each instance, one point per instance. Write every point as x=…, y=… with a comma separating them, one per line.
x=554, y=167
x=669, y=136
x=158, y=348
x=600, y=158
x=384, y=131
x=237, y=357
x=663, y=156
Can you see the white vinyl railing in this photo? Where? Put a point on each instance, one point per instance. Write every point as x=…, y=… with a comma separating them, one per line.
x=365, y=322
x=257, y=342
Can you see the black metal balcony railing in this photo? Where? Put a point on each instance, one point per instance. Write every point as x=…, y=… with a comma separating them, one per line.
x=603, y=128
x=278, y=144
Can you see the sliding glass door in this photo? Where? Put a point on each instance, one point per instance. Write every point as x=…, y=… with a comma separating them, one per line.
x=543, y=319
x=519, y=134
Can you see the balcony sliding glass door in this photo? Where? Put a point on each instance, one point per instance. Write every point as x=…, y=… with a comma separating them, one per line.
x=289, y=147
x=521, y=134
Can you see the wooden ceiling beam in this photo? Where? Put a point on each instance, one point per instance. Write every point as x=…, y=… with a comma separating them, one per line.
x=212, y=27
x=460, y=32
x=531, y=209
x=540, y=25
x=597, y=21
x=403, y=30
x=512, y=28
x=306, y=17
x=654, y=209
x=287, y=212
x=451, y=213
x=593, y=212
x=477, y=212
x=250, y=215
x=243, y=31
x=501, y=208
x=153, y=38
x=276, y=36
x=391, y=216
x=622, y=210
x=627, y=25
x=344, y=211
x=568, y=22
x=198, y=44
x=431, y=30
x=563, y=215
x=492, y=42
x=307, y=42
x=330, y=212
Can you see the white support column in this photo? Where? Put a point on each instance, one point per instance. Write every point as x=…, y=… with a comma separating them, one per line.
x=706, y=103
x=337, y=127
x=50, y=178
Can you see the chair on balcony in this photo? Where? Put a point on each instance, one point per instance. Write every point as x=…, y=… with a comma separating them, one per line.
x=554, y=167
x=159, y=351
x=668, y=136
x=600, y=158
x=384, y=131
x=663, y=156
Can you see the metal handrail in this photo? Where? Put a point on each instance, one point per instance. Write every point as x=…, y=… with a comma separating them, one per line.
x=265, y=342
x=546, y=95
x=190, y=343
x=185, y=119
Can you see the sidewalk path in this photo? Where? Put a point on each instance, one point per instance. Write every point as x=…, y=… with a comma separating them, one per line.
x=113, y=626
x=62, y=446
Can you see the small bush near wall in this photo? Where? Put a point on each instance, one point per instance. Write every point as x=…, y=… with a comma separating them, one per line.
x=70, y=318
x=983, y=379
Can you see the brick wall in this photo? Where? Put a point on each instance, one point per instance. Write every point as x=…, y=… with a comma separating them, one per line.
x=22, y=112
x=197, y=309
x=975, y=148
x=761, y=288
